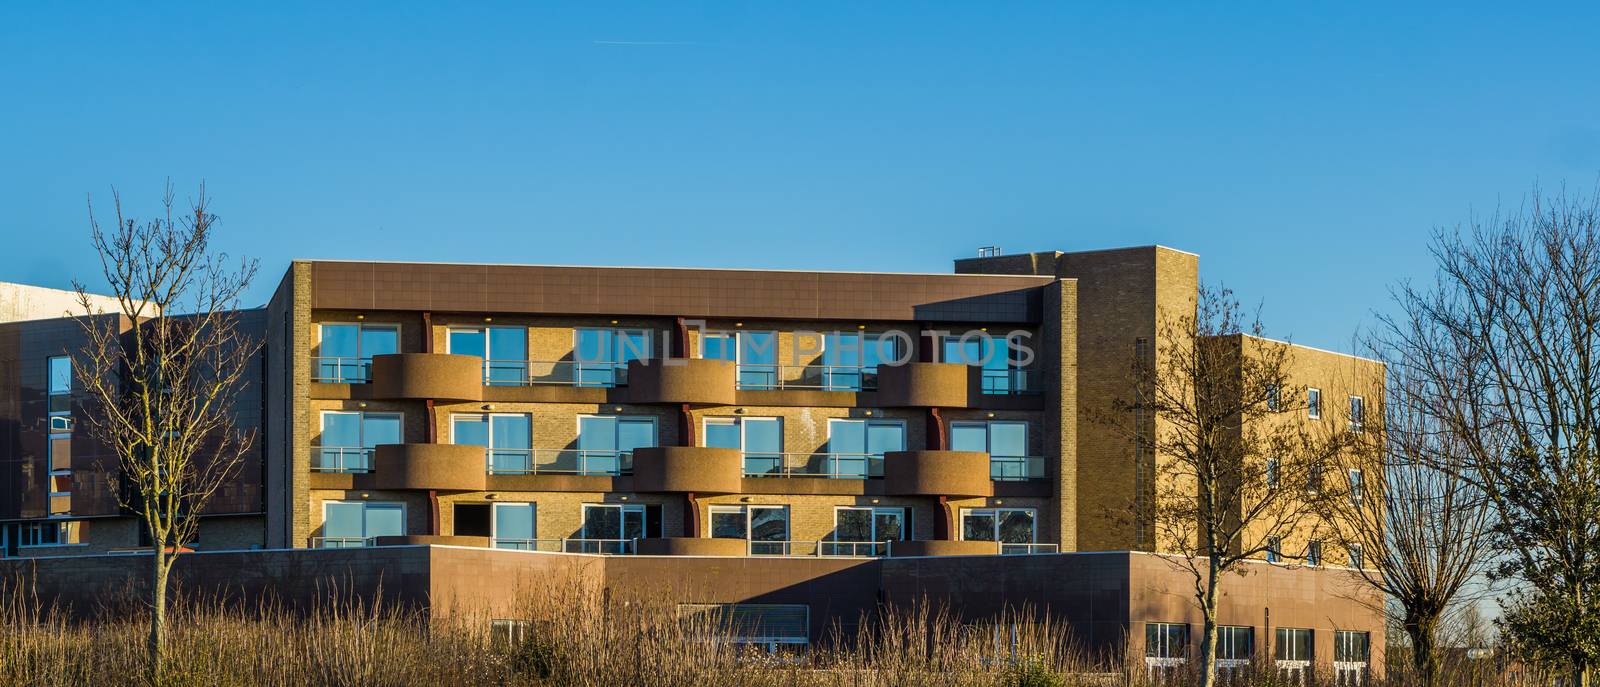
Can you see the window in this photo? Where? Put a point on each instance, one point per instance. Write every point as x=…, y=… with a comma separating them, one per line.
x=861, y=530
x=48, y=533
x=998, y=369
x=1358, y=413
x=509, y=633
x=1314, y=553
x=1274, y=467
x=1012, y=528
x=603, y=354
x=59, y=428
x=1166, y=650
x=756, y=354
x=507, y=439
x=60, y=384
x=343, y=354
x=504, y=351
x=606, y=443
x=1356, y=488
x=348, y=524
x=769, y=626
x=1351, y=656
x=1274, y=549
x=1292, y=651
x=765, y=527
x=1274, y=398
x=1355, y=555
x=1314, y=403
x=1314, y=479
x=1006, y=442
x=613, y=527
x=515, y=526
x=856, y=447
x=851, y=360
x=1236, y=648
x=348, y=439
x=760, y=438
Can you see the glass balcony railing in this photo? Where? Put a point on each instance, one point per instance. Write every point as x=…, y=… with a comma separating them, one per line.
x=610, y=547
x=327, y=370
x=345, y=459
x=820, y=465
x=340, y=542
x=1015, y=468
x=597, y=373
x=527, y=461
x=752, y=377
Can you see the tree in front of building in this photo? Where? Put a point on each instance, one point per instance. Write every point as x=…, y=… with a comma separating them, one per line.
x=1230, y=473
x=161, y=385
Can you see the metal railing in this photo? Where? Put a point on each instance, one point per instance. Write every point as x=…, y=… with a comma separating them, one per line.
x=1013, y=549
x=1007, y=382
x=825, y=548
x=336, y=370
x=823, y=465
x=1015, y=468
x=543, y=461
x=610, y=547
x=341, y=542
x=345, y=459
x=586, y=373
x=757, y=377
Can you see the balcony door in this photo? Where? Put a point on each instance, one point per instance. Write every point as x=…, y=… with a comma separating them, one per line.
x=860, y=530
x=352, y=523
x=1006, y=442
x=856, y=447
x=348, y=438
x=759, y=438
x=504, y=351
x=514, y=526
x=507, y=439
x=606, y=442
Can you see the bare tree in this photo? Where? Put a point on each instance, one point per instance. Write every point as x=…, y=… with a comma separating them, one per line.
x=1509, y=335
x=1421, y=533
x=1230, y=467
x=161, y=385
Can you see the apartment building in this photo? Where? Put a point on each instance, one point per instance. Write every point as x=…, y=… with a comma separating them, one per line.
x=691, y=412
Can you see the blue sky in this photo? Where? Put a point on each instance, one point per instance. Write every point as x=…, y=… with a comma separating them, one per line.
x=1305, y=154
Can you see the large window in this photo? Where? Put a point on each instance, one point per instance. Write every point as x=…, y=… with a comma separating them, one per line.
x=344, y=351
x=756, y=354
x=613, y=528
x=1166, y=650
x=856, y=447
x=45, y=533
x=1352, y=653
x=348, y=439
x=504, y=351
x=603, y=354
x=851, y=360
x=760, y=438
x=347, y=524
x=765, y=527
x=1236, y=647
x=507, y=439
x=606, y=442
x=862, y=530
x=515, y=526
x=1013, y=528
x=773, y=627
x=1006, y=442
x=999, y=370
x=1292, y=651
x=59, y=439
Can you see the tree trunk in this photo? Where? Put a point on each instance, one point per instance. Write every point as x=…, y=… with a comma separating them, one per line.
x=1424, y=659
x=1208, y=632
x=156, y=646
x=1580, y=672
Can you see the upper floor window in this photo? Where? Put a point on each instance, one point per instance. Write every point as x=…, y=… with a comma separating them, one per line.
x=1354, y=553
x=856, y=447
x=1006, y=442
x=1000, y=370
x=60, y=368
x=348, y=439
x=504, y=351
x=1274, y=467
x=1274, y=398
x=1358, y=413
x=1274, y=549
x=343, y=354
x=606, y=442
x=347, y=524
x=760, y=438
x=1314, y=553
x=850, y=360
x=1314, y=403
x=1357, y=488
x=603, y=354
x=1013, y=528
x=756, y=354
x=507, y=438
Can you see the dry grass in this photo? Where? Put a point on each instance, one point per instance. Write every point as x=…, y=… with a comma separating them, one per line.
x=577, y=636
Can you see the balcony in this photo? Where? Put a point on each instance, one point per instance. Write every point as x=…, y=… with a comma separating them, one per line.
x=813, y=465
x=807, y=378
x=937, y=473
x=686, y=469
x=925, y=385
x=440, y=376
x=558, y=373
x=543, y=461
x=451, y=467
x=695, y=380
x=1016, y=468
x=333, y=370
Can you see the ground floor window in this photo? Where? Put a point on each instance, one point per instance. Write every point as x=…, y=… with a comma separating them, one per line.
x=38, y=533
x=863, y=530
x=1166, y=650
x=509, y=633
x=1293, y=655
x=1236, y=647
x=765, y=527
x=514, y=526
x=354, y=523
x=1013, y=528
x=774, y=627
x=613, y=527
x=1351, y=658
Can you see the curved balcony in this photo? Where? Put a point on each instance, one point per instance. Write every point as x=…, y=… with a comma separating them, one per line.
x=937, y=473
x=447, y=467
x=688, y=469
x=440, y=376
x=924, y=385
x=691, y=546
x=694, y=380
